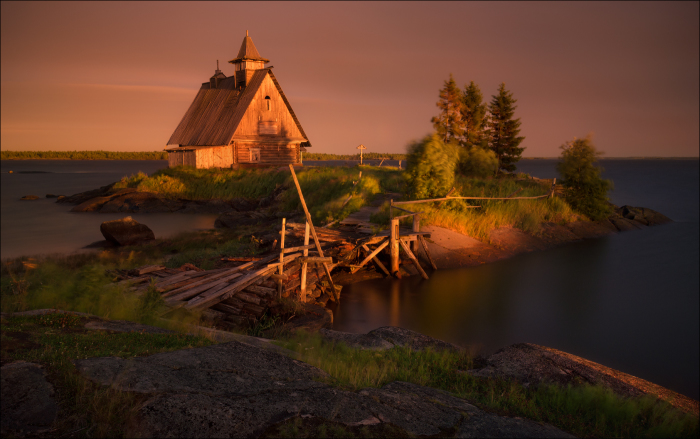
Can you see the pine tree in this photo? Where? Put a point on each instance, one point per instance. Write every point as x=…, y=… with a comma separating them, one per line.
x=503, y=130
x=448, y=124
x=473, y=116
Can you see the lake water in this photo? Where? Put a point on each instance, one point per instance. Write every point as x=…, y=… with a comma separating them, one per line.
x=44, y=226
x=628, y=301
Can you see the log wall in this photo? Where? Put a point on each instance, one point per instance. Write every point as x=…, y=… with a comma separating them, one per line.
x=270, y=154
x=214, y=157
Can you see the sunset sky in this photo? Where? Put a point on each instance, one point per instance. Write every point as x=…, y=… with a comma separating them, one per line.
x=120, y=76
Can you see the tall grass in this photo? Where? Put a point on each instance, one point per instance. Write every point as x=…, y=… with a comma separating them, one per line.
x=587, y=411
x=83, y=155
x=206, y=184
x=526, y=215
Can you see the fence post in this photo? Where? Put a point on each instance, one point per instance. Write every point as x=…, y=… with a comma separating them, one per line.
x=394, y=247
x=554, y=182
x=304, y=265
x=416, y=229
x=391, y=213
x=279, y=285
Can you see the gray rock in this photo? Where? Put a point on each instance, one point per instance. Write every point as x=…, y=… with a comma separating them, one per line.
x=532, y=364
x=238, y=390
x=139, y=202
x=27, y=399
x=126, y=231
x=387, y=337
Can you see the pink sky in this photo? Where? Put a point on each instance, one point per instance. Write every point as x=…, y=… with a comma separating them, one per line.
x=120, y=76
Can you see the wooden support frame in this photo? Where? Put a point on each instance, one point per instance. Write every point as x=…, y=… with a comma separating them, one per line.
x=282, y=232
x=371, y=255
x=376, y=260
x=313, y=231
x=394, y=247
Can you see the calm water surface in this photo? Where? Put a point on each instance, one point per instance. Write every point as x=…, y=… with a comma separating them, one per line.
x=629, y=301
x=44, y=226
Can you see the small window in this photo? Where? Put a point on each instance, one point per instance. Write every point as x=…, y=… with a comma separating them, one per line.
x=254, y=155
x=267, y=99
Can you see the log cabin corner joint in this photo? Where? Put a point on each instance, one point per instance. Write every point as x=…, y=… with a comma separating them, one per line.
x=244, y=120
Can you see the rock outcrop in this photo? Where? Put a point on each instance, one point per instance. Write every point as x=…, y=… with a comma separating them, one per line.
x=27, y=399
x=29, y=197
x=533, y=364
x=387, y=337
x=126, y=231
x=242, y=390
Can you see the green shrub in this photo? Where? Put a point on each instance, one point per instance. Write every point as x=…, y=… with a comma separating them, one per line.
x=585, y=190
x=430, y=167
x=477, y=162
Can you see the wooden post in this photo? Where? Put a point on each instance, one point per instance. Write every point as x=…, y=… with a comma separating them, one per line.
x=416, y=229
x=394, y=248
x=391, y=205
x=304, y=265
x=399, y=164
x=448, y=194
x=313, y=232
x=279, y=284
x=380, y=163
x=551, y=193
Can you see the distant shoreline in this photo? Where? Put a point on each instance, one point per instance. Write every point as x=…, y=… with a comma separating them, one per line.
x=162, y=155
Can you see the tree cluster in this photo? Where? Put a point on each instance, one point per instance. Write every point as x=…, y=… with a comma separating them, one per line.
x=465, y=120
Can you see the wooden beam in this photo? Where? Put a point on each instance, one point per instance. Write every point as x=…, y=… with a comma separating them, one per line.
x=304, y=264
x=279, y=285
x=394, y=247
x=371, y=255
x=376, y=260
x=414, y=259
x=313, y=231
x=448, y=194
x=425, y=248
x=316, y=260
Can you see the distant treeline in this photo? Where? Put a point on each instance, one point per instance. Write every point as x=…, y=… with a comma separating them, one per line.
x=83, y=155
x=365, y=156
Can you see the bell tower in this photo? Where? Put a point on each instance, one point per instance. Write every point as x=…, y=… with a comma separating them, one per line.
x=247, y=62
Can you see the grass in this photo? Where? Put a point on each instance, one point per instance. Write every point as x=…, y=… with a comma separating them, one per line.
x=83, y=155
x=526, y=215
x=585, y=411
x=325, y=189
x=54, y=340
x=82, y=282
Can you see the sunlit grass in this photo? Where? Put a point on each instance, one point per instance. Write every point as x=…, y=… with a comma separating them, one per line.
x=586, y=411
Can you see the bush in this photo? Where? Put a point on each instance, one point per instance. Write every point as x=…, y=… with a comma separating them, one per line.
x=477, y=162
x=430, y=167
x=585, y=190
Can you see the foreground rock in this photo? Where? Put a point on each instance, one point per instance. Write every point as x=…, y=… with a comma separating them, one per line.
x=533, y=364
x=126, y=231
x=27, y=399
x=235, y=389
x=387, y=337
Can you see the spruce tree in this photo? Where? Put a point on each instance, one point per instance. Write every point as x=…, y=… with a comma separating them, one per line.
x=473, y=116
x=448, y=124
x=503, y=130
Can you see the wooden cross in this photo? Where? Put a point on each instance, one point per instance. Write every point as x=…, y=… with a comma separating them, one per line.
x=361, y=147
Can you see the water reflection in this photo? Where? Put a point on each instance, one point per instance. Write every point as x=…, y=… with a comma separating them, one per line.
x=621, y=301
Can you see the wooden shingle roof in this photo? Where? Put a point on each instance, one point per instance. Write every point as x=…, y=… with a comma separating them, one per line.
x=215, y=113
x=248, y=51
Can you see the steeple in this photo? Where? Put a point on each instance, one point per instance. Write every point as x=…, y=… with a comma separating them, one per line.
x=247, y=61
x=218, y=76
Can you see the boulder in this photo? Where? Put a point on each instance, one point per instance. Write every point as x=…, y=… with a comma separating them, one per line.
x=126, y=231
x=29, y=198
x=28, y=404
x=529, y=363
x=648, y=217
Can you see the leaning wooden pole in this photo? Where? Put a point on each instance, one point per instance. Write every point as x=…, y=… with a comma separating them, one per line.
x=313, y=232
